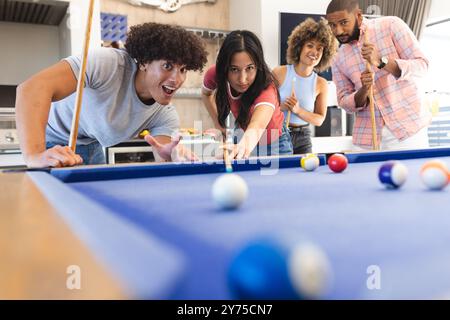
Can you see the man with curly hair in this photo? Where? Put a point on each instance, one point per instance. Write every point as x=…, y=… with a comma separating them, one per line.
x=397, y=66
x=311, y=47
x=126, y=92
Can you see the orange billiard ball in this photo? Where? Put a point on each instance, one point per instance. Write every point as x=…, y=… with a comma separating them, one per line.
x=435, y=174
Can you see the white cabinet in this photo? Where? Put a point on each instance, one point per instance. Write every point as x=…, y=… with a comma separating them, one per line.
x=11, y=159
x=332, y=144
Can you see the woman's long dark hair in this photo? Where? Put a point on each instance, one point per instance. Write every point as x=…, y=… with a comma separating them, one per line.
x=236, y=42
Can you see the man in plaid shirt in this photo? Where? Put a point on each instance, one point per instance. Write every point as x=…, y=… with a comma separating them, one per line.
x=397, y=65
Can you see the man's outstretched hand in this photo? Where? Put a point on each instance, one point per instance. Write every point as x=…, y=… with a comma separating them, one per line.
x=171, y=151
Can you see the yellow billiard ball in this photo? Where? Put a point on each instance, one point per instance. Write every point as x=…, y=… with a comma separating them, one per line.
x=143, y=133
x=310, y=162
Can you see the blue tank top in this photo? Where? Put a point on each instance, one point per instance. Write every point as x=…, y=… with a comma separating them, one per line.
x=305, y=91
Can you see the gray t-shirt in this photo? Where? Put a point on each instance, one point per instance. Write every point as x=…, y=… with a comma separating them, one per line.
x=111, y=110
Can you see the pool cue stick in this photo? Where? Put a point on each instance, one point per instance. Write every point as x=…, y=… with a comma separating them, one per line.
x=226, y=159
x=372, y=106
x=288, y=118
x=226, y=155
x=81, y=80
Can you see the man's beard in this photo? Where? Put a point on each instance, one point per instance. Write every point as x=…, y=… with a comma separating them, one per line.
x=353, y=37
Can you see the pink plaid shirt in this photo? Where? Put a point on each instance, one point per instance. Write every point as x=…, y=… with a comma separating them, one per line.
x=398, y=103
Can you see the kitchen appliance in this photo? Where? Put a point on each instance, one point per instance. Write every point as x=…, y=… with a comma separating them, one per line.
x=206, y=149
x=8, y=132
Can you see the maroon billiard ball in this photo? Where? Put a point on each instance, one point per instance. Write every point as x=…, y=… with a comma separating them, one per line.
x=337, y=163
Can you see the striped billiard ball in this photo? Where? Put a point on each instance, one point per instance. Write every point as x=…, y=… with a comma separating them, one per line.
x=310, y=162
x=393, y=174
x=435, y=174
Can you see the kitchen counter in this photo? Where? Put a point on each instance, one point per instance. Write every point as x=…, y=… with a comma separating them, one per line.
x=332, y=144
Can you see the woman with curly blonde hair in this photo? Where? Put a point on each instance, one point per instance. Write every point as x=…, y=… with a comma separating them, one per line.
x=303, y=93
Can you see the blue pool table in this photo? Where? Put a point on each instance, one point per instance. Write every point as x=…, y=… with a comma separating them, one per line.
x=155, y=228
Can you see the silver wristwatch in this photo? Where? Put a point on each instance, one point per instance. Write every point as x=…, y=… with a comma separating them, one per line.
x=383, y=63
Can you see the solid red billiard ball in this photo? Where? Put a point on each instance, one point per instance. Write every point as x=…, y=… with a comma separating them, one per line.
x=337, y=162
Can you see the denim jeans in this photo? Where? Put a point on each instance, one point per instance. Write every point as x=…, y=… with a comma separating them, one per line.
x=91, y=153
x=283, y=146
x=301, y=140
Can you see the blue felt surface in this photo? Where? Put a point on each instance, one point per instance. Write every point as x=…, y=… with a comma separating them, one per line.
x=351, y=215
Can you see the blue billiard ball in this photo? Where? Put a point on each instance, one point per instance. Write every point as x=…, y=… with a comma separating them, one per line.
x=393, y=174
x=270, y=269
x=259, y=272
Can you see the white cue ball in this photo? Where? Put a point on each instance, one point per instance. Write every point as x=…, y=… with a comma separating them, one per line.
x=229, y=191
x=310, y=271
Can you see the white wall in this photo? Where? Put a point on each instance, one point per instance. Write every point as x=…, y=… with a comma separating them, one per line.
x=76, y=23
x=246, y=14
x=29, y=48
x=439, y=9
x=65, y=42
x=437, y=36
x=26, y=49
x=262, y=17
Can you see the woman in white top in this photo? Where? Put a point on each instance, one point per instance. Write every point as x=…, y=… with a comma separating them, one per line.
x=303, y=93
